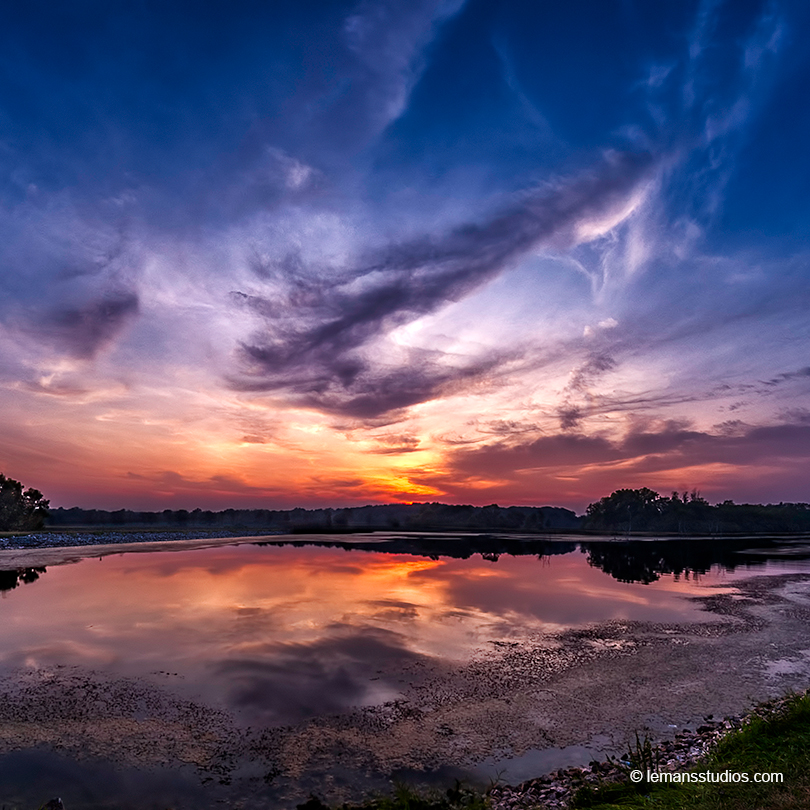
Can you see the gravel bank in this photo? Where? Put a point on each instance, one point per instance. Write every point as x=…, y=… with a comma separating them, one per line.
x=95, y=538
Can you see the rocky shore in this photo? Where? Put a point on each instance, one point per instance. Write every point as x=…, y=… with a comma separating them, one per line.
x=37, y=540
x=555, y=791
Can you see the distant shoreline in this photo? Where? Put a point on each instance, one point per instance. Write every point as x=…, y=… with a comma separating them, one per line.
x=653, y=552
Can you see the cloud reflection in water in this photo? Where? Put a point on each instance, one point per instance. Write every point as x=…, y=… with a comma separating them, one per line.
x=286, y=633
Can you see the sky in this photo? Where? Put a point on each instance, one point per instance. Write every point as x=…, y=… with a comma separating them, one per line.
x=265, y=254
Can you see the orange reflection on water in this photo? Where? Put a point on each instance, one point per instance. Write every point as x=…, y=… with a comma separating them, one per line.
x=286, y=632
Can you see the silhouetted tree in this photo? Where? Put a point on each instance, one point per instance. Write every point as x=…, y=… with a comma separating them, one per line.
x=20, y=509
x=626, y=510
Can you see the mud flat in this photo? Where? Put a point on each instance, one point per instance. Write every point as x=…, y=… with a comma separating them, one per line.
x=585, y=691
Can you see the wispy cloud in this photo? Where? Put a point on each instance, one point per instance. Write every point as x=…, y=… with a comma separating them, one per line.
x=320, y=357
x=661, y=456
x=256, y=240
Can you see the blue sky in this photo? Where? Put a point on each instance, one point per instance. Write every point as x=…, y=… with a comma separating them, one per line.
x=327, y=253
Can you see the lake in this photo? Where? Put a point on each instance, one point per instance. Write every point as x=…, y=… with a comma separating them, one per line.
x=276, y=642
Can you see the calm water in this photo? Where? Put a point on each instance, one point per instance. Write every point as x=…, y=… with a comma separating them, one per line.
x=278, y=634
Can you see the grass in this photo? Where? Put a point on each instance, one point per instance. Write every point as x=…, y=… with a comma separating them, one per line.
x=778, y=743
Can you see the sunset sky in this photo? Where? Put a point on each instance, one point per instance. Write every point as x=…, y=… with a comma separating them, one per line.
x=275, y=254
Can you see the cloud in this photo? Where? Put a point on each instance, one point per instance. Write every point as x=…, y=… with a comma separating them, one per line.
x=787, y=376
x=83, y=331
x=655, y=456
x=388, y=39
x=320, y=357
x=582, y=379
x=503, y=459
x=172, y=482
x=396, y=444
x=310, y=162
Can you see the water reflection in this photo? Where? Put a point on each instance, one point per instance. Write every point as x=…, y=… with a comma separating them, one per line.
x=646, y=561
x=11, y=579
x=285, y=682
x=642, y=560
x=280, y=633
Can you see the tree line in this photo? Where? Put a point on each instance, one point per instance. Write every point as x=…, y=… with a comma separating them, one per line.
x=644, y=510
x=416, y=516
x=623, y=511
x=21, y=509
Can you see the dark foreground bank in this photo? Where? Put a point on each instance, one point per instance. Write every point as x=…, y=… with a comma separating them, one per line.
x=713, y=768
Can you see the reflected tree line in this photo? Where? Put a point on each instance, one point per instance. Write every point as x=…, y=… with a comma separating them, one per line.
x=632, y=561
x=12, y=579
x=645, y=561
x=639, y=561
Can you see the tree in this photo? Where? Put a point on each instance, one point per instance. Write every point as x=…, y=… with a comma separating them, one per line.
x=625, y=510
x=20, y=509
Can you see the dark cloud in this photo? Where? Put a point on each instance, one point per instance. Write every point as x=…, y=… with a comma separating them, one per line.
x=320, y=356
x=757, y=445
x=83, y=331
x=507, y=427
x=395, y=444
x=502, y=459
x=570, y=416
x=174, y=482
x=251, y=439
x=787, y=376
x=641, y=457
x=579, y=386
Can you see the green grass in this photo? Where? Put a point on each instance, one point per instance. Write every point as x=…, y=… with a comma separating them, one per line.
x=780, y=743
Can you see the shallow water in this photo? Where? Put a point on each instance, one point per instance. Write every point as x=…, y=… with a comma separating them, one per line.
x=278, y=634
x=282, y=633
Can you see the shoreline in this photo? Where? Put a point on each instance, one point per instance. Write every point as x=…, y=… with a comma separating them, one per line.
x=586, y=687
x=36, y=556
x=557, y=789
x=31, y=550
x=560, y=691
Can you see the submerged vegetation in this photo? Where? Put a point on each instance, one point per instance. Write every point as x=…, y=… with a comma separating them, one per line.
x=404, y=797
